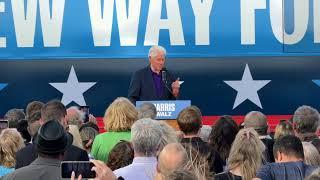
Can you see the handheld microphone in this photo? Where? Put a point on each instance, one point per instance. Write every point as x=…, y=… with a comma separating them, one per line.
x=164, y=75
x=165, y=80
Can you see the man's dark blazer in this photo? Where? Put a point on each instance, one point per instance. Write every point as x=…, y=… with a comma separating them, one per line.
x=28, y=154
x=142, y=87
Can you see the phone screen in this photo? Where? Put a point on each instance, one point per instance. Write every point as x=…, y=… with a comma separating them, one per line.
x=79, y=167
x=4, y=124
x=85, y=109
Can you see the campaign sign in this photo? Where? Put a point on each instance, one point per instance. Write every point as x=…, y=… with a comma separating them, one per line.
x=167, y=109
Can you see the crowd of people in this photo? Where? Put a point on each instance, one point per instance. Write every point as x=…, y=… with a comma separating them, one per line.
x=136, y=146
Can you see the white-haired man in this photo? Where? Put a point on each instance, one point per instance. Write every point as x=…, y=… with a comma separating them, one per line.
x=154, y=82
x=145, y=139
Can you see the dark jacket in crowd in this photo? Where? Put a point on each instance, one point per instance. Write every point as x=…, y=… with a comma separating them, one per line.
x=214, y=159
x=28, y=154
x=226, y=176
x=268, y=153
x=285, y=171
x=40, y=169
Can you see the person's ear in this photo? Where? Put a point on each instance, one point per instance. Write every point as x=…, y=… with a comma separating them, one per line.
x=41, y=121
x=279, y=157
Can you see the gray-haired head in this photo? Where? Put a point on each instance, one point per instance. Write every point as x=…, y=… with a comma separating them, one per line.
x=306, y=119
x=74, y=116
x=258, y=121
x=13, y=116
x=145, y=137
x=154, y=50
x=147, y=110
x=168, y=135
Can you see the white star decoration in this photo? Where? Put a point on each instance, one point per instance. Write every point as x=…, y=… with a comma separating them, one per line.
x=73, y=89
x=247, y=88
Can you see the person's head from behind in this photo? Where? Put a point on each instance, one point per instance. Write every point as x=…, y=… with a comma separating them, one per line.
x=168, y=135
x=120, y=156
x=54, y=110
x=74, y=116
x=182, y=161
x=311, y=154
x=87, y=136
x=222, y=135
x=11, y=142
x=52, y=140
x=246, y=153
x=120, y=115
x=189, y=121
x=288, y=149
x=14, y=116
x=306, y=120
x=257, y=121
x=147, y=110
x=33, y=107
x=145, y=137
x=171, y=158
x=283, y=128
x=157, y=58
x=33, y=113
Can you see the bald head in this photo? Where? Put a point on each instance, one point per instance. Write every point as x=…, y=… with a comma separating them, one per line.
x=171, y=157
x=74, y=116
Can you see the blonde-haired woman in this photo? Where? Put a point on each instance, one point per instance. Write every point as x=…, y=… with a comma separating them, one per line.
x=245, y=156
x=11, y=141
x=118, y=119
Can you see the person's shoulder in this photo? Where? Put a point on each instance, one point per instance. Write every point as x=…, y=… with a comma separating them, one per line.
x=142, y=70
x=122, y=171
x=26, y=150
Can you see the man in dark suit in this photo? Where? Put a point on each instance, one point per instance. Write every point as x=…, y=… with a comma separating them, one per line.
x=149, y=84
x=51, y=143
x=51, y=110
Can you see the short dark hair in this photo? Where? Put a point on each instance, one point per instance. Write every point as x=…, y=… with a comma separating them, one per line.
x=189, y=120
x=120, y=156
x=53, y=110
x=289, y=145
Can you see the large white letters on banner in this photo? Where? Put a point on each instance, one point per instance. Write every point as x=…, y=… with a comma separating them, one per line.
x=301, y=17
x=51, y=25
x=202, y=12
x=24, y=24
x=128, y=22
x=173, y=23
x=101, y=26
x=248, y=29
x=2, y=39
